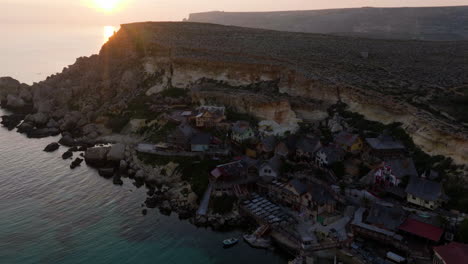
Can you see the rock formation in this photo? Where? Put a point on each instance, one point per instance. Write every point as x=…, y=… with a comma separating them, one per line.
x=281, y=76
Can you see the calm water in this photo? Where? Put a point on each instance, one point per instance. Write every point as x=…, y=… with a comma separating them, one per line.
x=51, y=214
x=30, y=53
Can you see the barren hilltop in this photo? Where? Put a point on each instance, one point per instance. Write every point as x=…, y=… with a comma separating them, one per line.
x=281, y=76
x=422, y=23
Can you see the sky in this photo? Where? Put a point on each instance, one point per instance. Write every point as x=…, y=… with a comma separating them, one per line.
x=101, y=12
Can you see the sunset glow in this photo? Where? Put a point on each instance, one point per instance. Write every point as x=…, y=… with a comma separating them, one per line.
x=107, y=5
x=109, y=32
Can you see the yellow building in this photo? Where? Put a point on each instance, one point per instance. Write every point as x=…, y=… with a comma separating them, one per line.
x=349, y=142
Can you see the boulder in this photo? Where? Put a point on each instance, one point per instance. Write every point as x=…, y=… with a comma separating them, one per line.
x=8, y=85
x=97, y=156
x=14, y=102
x=25, y=93
x=122, y=165
x=25, y=127
x=11, y=121
x=117, y=180
x=106, y=172
x=67, y=155
x=43, y=132
x=140, y=174
x=77, y=162
x=52, y=147
x=165, y=208
x=67, y=140
x=39, y=119
x=70, y=120
x=52, y=124
x=116, y=153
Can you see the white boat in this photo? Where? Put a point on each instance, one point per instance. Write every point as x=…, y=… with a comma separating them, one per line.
x=230, y=242
x=257, y=242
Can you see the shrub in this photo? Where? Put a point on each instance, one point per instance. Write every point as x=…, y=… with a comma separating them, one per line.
x=174, y=92
x=339, y=169
x=462, y=234
x=223, y=204
x=117, y=123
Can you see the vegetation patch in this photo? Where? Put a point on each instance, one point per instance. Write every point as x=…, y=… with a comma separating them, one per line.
x=223, y=204
x=233, y=115
x=174, y=92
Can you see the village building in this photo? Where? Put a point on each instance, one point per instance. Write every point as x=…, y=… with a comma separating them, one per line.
x=425, y=193
x=180, y=116
x=385, y=217
x=391, y=172
x=452, y=253
x=210, y=116
x=310, y=200
x=381, y=232
x=181, y=136
x=282, y=150
x=349, y=142
x=317, y=202
x=267, y=145
x=329, y=155
x=230, y=178
x=201, y=142
x=421, y=230
x=385, y=146
x=241, y=132
x=306, y=147
x=271, y=169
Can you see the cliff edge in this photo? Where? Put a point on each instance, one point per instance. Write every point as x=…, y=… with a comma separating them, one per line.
x=274, y=75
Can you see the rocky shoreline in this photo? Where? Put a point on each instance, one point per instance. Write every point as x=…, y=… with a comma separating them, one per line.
x=114, y=161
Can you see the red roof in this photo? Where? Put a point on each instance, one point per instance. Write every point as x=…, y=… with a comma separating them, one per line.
x=422, y=229
x=452, y=253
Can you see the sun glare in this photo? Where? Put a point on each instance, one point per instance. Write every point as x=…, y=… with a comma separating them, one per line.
x=109, y=32
x=107, y=5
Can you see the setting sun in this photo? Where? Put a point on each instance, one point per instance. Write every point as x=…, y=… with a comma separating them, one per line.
x=107, y=5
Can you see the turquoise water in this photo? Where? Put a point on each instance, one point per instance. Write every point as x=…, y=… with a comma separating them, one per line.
x=51, y=214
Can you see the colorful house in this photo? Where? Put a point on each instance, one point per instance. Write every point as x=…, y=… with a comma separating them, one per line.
x=328, y=155
x=349, y=142
x=210, y=116
x=306, y=147
x=392, y=171
x=271, y=169
x=241, y=132
x=425, y=193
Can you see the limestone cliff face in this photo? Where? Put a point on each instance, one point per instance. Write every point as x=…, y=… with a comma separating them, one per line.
x=278, y=76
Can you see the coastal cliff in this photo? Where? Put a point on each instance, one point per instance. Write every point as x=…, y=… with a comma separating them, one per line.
x=280, y=76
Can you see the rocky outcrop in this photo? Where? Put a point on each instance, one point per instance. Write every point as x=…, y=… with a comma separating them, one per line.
x=116, y=153
x=280, y=76
x=97, y=156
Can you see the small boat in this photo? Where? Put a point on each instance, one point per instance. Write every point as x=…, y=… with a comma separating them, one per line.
x=230, y=242
x=257, y=242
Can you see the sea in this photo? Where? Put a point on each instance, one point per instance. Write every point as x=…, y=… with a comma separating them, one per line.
x=52, y=214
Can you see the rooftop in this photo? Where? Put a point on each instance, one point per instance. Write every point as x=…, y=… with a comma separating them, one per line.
x=425, y=189
x=346, y=138
x=386, y=217
x=402, y=167
x=452, y=253
x=385, y=142
x=422, y=229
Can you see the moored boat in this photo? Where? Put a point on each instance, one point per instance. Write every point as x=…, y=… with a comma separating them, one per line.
x=257, y=242
x=230, y=242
